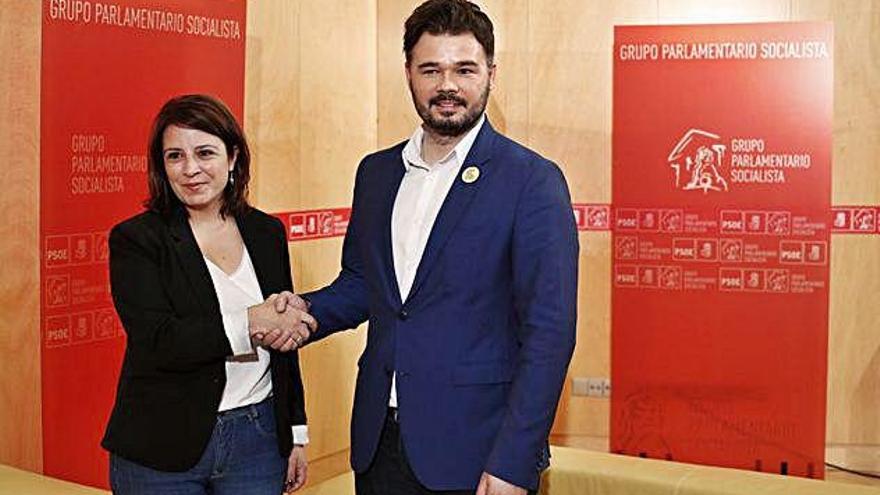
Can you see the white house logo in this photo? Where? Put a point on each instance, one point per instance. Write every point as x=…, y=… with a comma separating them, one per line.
x=697, y=161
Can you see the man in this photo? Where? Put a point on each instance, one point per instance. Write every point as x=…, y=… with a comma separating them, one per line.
x=462, y=255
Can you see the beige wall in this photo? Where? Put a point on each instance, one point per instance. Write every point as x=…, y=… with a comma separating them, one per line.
x=310, y=102
x=20, y=415
x=325, y=85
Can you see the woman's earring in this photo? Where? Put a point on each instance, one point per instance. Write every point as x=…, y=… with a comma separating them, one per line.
x=232, y=177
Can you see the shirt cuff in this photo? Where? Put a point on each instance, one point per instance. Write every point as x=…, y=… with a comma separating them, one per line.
x=300, y=434
x=235, y=324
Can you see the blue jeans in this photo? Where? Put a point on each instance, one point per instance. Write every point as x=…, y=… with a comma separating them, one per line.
x=241, y=458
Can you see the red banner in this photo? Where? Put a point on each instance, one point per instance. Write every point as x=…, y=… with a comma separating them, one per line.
x=332, y=222
x=315, y=224
x=855, y=219
x=721, y=190
x=592, y=216
x=107, y=67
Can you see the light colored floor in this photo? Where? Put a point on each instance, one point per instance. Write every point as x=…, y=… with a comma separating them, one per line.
x=600, y=444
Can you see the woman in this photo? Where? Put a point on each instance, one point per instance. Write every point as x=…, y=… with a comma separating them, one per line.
x=202, y=405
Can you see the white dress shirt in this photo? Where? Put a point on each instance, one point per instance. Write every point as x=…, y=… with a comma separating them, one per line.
x=421, y=194
x=248, y=380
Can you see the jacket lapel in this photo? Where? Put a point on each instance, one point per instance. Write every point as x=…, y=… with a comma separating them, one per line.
x=192, y=262
x=382, y=249
x=460, y=196
x=261, y=253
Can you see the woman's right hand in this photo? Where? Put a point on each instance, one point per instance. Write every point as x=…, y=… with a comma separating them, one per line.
x=282, y=331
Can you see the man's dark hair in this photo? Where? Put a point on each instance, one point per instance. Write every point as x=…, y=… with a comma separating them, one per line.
x=206, y=114
x=449, y=17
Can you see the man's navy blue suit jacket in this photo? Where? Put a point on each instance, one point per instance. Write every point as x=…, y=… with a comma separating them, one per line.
x=482, y=343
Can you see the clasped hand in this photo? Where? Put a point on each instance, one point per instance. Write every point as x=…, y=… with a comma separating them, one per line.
x=281, y=322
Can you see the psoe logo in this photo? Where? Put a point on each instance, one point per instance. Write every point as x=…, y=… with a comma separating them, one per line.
x=697, y=162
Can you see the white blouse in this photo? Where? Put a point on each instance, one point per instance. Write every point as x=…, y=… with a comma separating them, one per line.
x=248, y=380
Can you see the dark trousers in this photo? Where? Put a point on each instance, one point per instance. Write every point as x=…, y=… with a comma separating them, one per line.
x=390, y=472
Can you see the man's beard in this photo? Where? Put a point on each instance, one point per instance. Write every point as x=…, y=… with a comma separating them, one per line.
x=455, y=126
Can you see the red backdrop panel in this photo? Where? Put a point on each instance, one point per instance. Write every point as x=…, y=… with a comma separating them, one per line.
x=721, y=194
x=107, y=67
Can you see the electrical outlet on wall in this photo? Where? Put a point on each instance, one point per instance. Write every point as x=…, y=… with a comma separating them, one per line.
x=590, y=386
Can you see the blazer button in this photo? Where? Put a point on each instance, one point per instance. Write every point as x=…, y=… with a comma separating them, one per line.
x=403, y=315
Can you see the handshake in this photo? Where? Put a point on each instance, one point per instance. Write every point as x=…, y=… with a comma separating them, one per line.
x=281, y=322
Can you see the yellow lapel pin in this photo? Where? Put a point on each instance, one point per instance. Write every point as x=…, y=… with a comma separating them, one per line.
x=470, y=175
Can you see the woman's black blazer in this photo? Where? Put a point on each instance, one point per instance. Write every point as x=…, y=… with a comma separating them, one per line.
x=173, y=372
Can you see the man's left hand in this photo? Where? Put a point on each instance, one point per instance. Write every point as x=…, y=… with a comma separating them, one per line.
x=490, y=485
